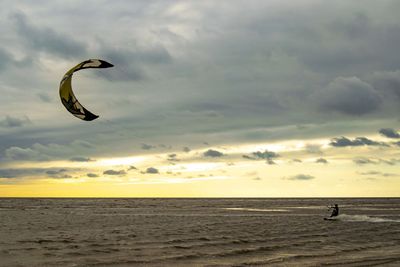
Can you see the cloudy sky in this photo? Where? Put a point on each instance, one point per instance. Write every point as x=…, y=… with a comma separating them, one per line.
x=207, y=98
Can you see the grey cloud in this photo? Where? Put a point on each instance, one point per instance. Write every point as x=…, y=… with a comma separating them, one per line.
x=213, y=153
x=92, y=175
x=132, y=168
x=47, y=39
x=379, y=173
x=80, y=159
x=321, y=160
x=114, y=172
x=5, y=59
x=34, y=173
x=152, y=170
x=390, y=161
x=387, y=81
x=265, y=155
x=301, y=177
x=186, y=149
x=20, y=172
x=147, y=147
x=268, y=155
x=44, y=97
x=369, y=142
x=172, y=157
x=129, y=63
x=397, y=143
x=275, y=59
x=363, y=161
x=388, y=132
x=18, y=153
x=54, y=172
x=358, y=141
x=40, y=152
x=14, y=122
x=361, y=40
x=349, y=95
x=82, y=143
x=313, y=149
x=58, y=174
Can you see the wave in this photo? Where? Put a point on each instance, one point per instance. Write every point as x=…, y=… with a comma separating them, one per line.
x=363, y=218
x=262, y=210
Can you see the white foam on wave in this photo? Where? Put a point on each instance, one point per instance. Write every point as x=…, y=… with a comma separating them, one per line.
x=363, y=218
x=262, y=210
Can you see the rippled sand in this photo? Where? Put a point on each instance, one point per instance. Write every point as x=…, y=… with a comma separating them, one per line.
x=198, y=232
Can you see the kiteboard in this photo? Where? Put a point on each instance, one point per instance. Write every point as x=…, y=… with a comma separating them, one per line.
x=330, y=219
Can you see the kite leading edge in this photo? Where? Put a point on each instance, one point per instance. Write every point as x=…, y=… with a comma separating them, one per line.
x=67, y=95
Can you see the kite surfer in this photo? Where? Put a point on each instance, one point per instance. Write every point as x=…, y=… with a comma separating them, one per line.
x=335, y=210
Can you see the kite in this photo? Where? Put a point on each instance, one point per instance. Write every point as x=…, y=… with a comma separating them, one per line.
x=67, y=95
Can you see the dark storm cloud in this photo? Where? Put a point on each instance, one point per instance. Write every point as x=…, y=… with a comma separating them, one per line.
x=388, y=132
x=351, y=31
x=358, y=141
x=114, y=172
x=213, y=153
x=152, y=170
x=256, y=72
x=387, y=81
x=80, y=159
x=301, y=177
x=10, y=122
x=47, y=39
x=129, y=63
x=349, y=95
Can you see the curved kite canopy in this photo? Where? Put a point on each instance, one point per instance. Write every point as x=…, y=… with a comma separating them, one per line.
x=67, y=95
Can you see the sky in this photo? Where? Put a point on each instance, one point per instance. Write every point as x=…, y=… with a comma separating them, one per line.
x=256, y=98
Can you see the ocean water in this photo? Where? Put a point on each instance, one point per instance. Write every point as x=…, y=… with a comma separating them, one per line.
x=198, y=232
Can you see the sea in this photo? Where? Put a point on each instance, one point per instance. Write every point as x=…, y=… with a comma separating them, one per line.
x=199, y=232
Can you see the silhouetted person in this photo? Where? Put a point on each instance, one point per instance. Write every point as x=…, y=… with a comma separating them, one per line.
x=335, y=211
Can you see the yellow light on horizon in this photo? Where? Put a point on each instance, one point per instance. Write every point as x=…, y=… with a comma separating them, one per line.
x=120, y=161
